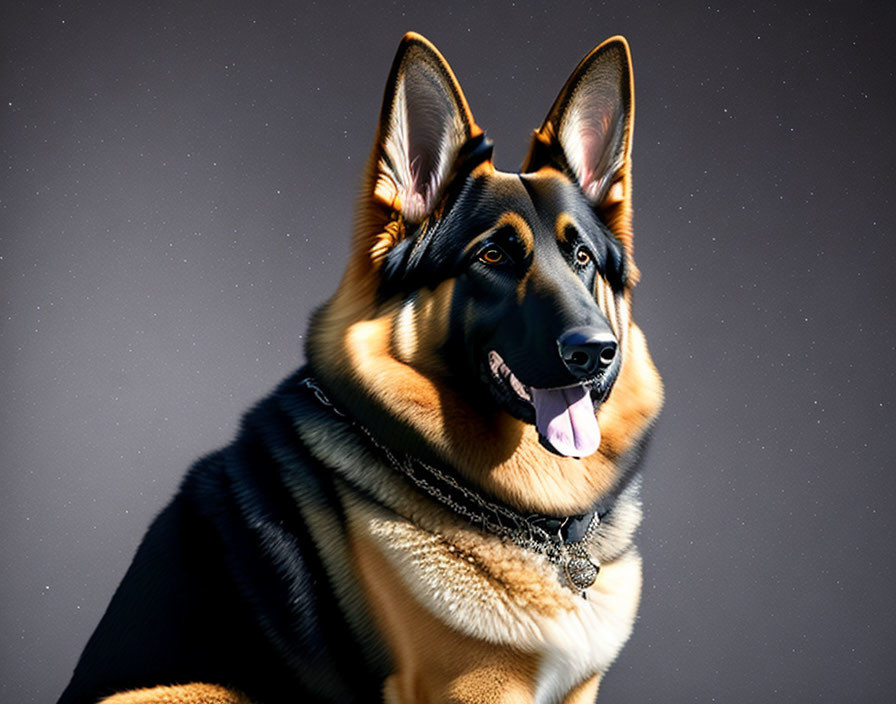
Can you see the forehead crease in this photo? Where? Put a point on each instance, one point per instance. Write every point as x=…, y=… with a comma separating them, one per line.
x=551, y=200
x=560, y=204
x=546, y=186
x=507, y=192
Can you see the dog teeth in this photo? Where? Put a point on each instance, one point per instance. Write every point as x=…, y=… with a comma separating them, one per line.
x=495, y=363
x=502, y=371
x=521, y=390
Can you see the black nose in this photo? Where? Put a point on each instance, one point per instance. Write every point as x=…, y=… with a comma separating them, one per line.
x=587, y=351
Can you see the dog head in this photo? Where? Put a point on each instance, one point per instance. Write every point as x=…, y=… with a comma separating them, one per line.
x=485, y=316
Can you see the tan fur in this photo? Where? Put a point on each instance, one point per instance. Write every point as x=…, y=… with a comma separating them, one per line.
x=421, y=326
x=483, y=586
x=562, y=221
x=522, y=229
x=440, y=548
x=194, y=693
x=585, y=693
x=636, y=399
x=434, y=662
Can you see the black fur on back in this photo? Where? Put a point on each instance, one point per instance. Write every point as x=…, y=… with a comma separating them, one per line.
x=227, y=585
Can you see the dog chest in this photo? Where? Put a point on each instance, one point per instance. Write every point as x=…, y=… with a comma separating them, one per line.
x=460, y=591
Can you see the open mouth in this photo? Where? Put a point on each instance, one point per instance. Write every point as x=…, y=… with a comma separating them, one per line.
x=565, y=417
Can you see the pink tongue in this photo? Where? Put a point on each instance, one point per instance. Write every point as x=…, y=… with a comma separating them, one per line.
x=565, y=417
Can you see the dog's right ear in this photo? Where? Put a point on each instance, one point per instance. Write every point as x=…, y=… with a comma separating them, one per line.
x=424, y=123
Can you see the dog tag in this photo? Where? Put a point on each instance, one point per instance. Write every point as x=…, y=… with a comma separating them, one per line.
x=581, y=572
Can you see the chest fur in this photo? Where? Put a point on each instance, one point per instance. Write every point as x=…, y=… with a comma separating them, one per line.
x=454, y=603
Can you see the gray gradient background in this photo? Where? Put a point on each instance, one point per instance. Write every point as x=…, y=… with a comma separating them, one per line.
x=177, y=189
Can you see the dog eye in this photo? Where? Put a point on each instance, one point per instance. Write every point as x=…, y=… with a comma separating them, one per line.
x=583, y=256
x=491, y=255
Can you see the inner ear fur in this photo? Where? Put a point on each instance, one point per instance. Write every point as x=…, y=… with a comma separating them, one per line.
x=587, y=134
x=424, y=123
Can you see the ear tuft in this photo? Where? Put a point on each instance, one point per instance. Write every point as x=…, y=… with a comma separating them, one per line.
x=424, y=123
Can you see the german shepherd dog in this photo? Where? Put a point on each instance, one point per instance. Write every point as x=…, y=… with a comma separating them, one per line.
x=440, y=506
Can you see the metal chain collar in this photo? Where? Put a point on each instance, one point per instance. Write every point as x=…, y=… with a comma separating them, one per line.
x=573, y=559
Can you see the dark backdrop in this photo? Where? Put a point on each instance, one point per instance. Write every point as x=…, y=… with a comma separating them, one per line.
x=177, y=188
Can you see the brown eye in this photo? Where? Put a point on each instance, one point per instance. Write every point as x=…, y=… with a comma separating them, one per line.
x=492, y=255
x=583, y=256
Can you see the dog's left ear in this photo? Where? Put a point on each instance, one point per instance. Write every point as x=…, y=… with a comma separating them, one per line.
x=588, y=132
x=424, y=123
